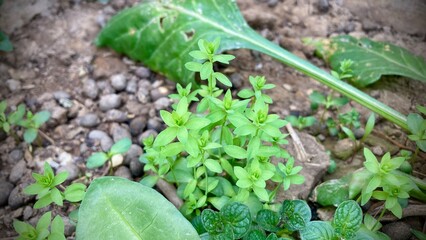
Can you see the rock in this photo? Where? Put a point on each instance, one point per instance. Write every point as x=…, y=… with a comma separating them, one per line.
x=64, y=158
x=137, y=125
x=109, y=101
x=59, y=114
x=89, y=120
x=107, y=66
x=117, y=160
x=313, y=171
x=18, y=171
x=118, y=82
x=13, y=85
x=105, y=141
x=132, y=86
x=397, y=230
x=377, y=150
x=106, y=87
x=143, y=95
x=58, y=95
x=5, y=190
x=323, y=5
x=162, y=103
x=155, y=124
x=27, y=213
x=343, y=149
x=115, y=115
x=359, y=133
x=118, y=132
x=72, y=170
x=133, y=154
x=236, y=80
x=90, y=89
x=400, y=103
x=123, y=172
x=15, y=155
x=159, y=92
x=385, y=145
x=136, y=168
x=69, y=226
x=18, y=198
x=142, y=72
x=318, y=26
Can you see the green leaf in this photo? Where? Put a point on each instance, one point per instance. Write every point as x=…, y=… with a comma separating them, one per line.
x=30, y=135
x=213, y=165
x=40, y=118
x=56, y=196
x=5, y=44
x=317, y=230
x=57, y=227
x=149, y=181
x=212, y=221
x=373, y=59
x=332, y=192
x=371, y=162
x=369, y=126
x=235, y=151
x=418, y=234
x=22, y=227
x=155, y=31
x=165, y=136
x=296, y=214
x=121, y=146
x=136, y=211
x=60, y=178
x=16, y=117
x=347, y=219
x=238, y=215
x=172, y=149
x=96, y=160
x=415, y=122
x=44, y=221
x=75, y=192
x=268, y=220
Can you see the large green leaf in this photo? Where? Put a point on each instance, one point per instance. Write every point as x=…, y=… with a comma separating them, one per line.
x=116, y=208
x=162, y=33
x=374, y=59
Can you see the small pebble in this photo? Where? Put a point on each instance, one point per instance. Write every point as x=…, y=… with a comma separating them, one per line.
x=397, y=230
x=143, y=72
x=123, y=172
x=132, y=86
x=13, y=85
x=5, y=190
x=89, y=120
x=159, y=92
x=162, y=103
x=118, y=82
x=133, y=154
x=90, y=89
x=377, y=150
x=28, y=212
x=105, y=140
x=136, y=168
x=117, y=160
x=118, y=132
x=16, y=154
x=58, y=95
x=147, y=133
x=359, y=133
x=18, y=171
x=109, y=101
x=72, y=170
x=155, y=124
x=323, y=5
x=137, y=125
x=115, y=115
x=18, y=198
x=70, y=226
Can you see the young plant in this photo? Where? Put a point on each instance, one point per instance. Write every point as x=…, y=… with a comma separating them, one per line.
x=301, y=122
x=8, y=121
x=344, y=71
x=221, y=153
x=41, y=231
x=328, y=102
x=32, y=123
x=417, y=126
x=46, y=188
x=99, y=158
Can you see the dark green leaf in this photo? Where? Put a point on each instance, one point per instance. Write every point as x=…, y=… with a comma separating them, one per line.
x=30, y=135
x=96, y=160
x=212, y=221
x=295, y=214
x=149, y=181
x=255, y=234
x=415, y=122
x=347, y=219
x=332, y=192
x=17, y=116
x=418, y=234
x=317, y=230
x=136, y=211
x=121, y=146
x=374, y=59
x=5, y=44
x=75, y=192
x=268, y=220
x=238, y=215
x=40, y=118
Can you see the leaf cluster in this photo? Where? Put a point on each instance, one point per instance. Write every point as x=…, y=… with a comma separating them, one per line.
x=417, y=126
x=41, y=231
x=98, y=159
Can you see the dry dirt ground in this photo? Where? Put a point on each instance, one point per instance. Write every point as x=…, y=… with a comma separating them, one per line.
x=54, y=58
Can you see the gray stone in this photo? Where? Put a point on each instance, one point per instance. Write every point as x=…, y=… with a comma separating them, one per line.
x=18, y=198
x=133, y=154
x=5, y=190
x=109, y=101
x=123, y=172
x=323, y=5
x=359, y=133
x=162, y=103
x=136, y=168
x=58, y=95
x=16, y=154
x=397, y=230
x=118, y=82
x=105, y=87
x=69, y=226
x=72, y=170
x=137, y=125
x=105, y=140
x=18, y=171
x=143, y=95
x=27, y=213
x=107, y=66
x=377, y=150
x=59, y=114
x=155, y=124
x=143, y=72
x=90, y=89
x=343, y=149
x=13, y=85
x=132, y=86
x=115, y=115
x=385, y=145
x=119, y=132
x=134, y=107
x=147, y=133
x=89, y=120
x=159, y=92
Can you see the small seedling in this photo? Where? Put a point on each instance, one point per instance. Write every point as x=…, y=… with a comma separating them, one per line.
x=32, y=123
x=99, y=158
x=46, y=188
x=301, y=122
x=41, y=231
x=345, y=70
x=8, y=121
x=417, y=126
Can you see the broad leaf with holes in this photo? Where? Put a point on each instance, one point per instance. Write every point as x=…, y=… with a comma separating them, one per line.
x=129, y=210
x=347, y=219
x=373, y=59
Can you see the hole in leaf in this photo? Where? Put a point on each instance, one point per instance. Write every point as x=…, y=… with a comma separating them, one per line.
x=161, y=22
x=189, y=34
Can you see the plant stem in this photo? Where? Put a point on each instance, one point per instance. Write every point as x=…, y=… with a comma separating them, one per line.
x=265, y=46
x=380, y=217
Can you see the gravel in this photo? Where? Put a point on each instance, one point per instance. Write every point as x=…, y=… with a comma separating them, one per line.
x=105, y=140
x=123, y=172
x=118, y=82
x=90, y=89
x=119, y=132
x=89, y=120
x=115, y=115
x=5, y=190
x=18, y=171
x=109, y=101
x=143, y=72
x=18, y=198
x=137, y=125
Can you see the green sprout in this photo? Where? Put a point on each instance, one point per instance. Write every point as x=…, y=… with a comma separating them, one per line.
x=99, y=158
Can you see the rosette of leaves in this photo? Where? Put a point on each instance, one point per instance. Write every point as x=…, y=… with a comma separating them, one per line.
x=41, y=231
x=32, y=123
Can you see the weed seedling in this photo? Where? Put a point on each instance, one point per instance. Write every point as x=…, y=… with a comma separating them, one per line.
x=32, y=123
x=301, y=122
x=41, y=231
x=99, y=158
x=417, y=126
